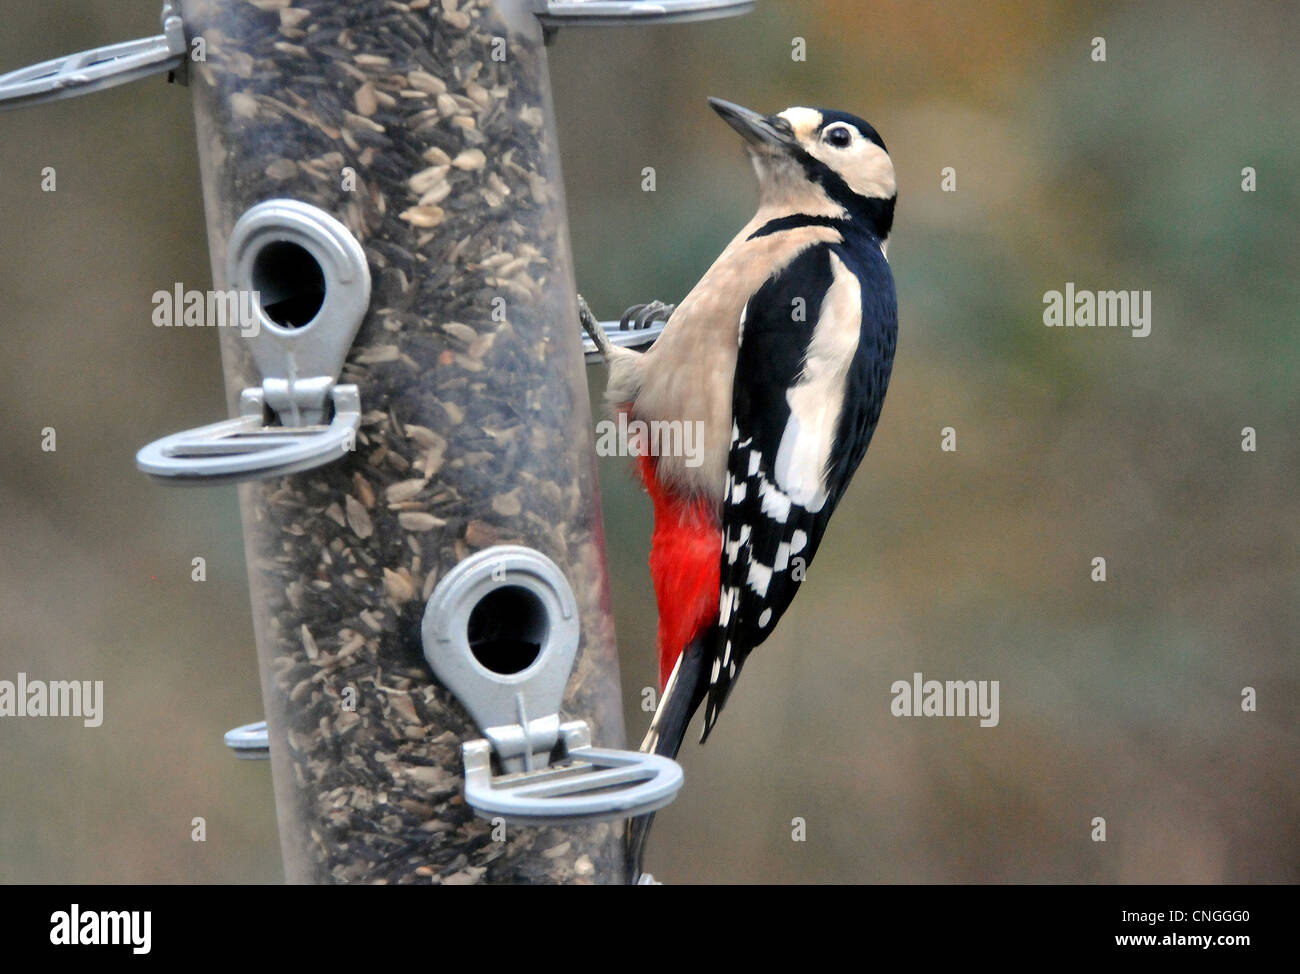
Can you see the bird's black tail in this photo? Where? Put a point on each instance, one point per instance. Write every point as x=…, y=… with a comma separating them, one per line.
x=685, y=691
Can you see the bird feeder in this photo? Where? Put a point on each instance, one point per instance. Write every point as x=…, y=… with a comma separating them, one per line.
x=411, y=410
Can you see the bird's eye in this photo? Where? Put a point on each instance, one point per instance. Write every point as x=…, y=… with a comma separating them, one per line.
x=838, y=136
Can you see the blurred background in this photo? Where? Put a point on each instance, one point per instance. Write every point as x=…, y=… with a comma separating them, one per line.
x=1119, y=700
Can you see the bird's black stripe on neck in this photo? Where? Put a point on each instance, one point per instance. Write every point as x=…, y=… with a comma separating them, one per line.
x=874, y=213
x=797, y=220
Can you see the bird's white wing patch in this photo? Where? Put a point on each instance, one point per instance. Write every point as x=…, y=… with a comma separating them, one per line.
x=804, y=450
x=804, y=455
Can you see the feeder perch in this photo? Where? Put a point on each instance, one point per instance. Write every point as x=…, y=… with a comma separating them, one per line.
x=250, y=742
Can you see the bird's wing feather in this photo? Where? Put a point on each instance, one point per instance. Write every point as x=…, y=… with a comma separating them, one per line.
x=803, y=352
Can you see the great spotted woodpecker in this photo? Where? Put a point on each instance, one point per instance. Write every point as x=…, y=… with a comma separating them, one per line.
x=781, y=355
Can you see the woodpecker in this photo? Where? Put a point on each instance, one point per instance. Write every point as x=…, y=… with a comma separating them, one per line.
x=781, y=355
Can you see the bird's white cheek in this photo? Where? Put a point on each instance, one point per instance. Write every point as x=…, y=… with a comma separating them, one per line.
x=871, y=173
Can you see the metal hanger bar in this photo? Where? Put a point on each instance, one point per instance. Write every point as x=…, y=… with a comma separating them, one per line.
x=98, y=68
x=613, y=13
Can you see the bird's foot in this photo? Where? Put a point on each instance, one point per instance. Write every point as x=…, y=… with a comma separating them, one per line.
x=641, y=315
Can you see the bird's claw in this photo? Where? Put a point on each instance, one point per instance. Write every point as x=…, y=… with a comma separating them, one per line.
x=588, y=320
x=640, y=316
x=592, y=327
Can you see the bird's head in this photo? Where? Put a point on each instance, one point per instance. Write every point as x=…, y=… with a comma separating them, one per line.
x=818, y=162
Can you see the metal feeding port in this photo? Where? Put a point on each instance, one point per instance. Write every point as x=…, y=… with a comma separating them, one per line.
x=501, y=632
x=311, y=287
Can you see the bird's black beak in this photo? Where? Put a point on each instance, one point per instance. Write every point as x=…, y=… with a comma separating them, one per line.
x=771, y=131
